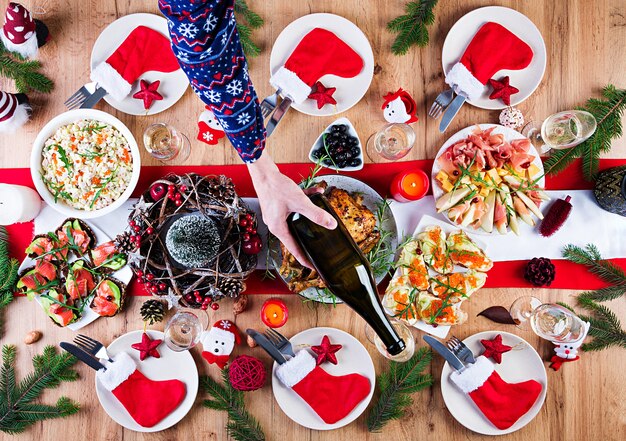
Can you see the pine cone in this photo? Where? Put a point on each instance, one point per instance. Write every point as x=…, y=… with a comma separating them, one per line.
x=123, y=244
x=152, y=311
x=222, y=188
x=230, y=287
x=540, y=271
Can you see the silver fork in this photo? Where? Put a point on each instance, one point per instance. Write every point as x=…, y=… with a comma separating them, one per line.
x=462, y=352
x=92, y=346
x=280, y=341
x=269, y=104
x=442, y=101
x=79, y=97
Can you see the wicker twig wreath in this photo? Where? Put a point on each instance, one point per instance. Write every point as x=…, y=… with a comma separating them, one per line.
x=189, y=240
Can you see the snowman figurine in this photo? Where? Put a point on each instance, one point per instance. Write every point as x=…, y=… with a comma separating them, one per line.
x=219, y=342
x=399, y=107
x=210, y=130
x=566, y=352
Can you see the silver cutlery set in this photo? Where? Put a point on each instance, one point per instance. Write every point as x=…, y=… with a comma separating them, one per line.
x=455, y=352
x=448, y=104
x=274, y=343
x=88, y=350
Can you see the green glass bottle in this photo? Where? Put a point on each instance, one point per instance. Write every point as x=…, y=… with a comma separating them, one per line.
x=345, y=270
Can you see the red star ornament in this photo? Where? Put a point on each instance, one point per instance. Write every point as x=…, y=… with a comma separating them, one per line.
x=147, y=347
x=326, y=351
x=503, y=90
x=323, y=95
x=494, y=348
x=148, y=93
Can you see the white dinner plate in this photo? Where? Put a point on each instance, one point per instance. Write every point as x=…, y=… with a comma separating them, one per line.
x=520, y=364
x=527, y=79
x=351, y=358
x=173, y=84
x=172, y=365
x=509, y=135
x=349, y=90
x=125, y=274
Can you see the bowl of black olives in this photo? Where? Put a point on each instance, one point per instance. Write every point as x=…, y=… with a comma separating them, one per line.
x=338, y=147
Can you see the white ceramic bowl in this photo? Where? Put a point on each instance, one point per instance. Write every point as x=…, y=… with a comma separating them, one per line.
x=48, y=130
x=352, y=132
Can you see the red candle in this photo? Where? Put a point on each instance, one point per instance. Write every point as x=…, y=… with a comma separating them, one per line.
x=274, y=313
x=410, y=185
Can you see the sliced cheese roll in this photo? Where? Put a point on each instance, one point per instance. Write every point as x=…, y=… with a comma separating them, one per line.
x=463, y=251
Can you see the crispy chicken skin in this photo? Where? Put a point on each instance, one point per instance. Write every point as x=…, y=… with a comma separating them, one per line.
x=360, y=223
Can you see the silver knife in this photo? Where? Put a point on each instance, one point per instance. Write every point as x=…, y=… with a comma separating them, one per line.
x=278, y=114
x=451, y=112
x=94, y=98
x=444, y=352
x=83, y=356
x=267, y=345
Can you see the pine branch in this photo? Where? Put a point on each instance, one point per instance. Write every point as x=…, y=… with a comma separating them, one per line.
x=8, y=275
x=590, y=257
x=412, y=28
x=241, y=425
x=396, y=385
x=17, y=411
x=25, y=73
x=252, y=21
x=608, y=113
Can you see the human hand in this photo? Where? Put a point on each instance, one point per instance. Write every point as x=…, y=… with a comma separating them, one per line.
x=278, y=197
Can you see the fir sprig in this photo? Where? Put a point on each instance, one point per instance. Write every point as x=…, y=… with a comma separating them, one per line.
x=252, y=21
x=412, y=28
x=241, y=425
x=608, y=114
x=396, y=385
x=24, y=72
x=17, y=411
x=605, y=327
x=8, y=274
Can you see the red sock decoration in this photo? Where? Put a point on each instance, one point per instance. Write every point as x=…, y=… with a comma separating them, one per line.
x=331, y=397
x=502, y=403
x=147, y=401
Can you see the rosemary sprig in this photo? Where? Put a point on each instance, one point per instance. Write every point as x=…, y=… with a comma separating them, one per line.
x=65, y=160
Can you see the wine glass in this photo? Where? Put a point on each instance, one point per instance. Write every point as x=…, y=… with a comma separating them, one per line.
x=166, y=143
x=390, y=143
x=562, y=130
x=403, y=332
x=548, y=320
x=183, y=331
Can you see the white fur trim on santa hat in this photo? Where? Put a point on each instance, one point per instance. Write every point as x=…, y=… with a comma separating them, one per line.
x=290, y=85
x=295, y=369
x=28, y=49
x=111, y=81
x=20, y=117
x=117, y=372
x=474, y=376
x=463, y=82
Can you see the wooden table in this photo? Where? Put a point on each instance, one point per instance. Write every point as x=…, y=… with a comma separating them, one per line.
x=585, y=42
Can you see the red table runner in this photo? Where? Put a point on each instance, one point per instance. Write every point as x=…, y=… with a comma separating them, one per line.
x=503, y=274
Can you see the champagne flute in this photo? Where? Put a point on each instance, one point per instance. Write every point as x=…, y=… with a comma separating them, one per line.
x=166, y=143
x=403, y=332
x=390, y=143
x=562, y=130
x=548, y=320
x=183, y=331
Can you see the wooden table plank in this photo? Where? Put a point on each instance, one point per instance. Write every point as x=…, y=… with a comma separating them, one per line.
x=585, y=42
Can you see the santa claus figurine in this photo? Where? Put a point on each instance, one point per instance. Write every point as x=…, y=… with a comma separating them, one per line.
x=209, y=128
x=14, y=111
x=400, y=107
x=218, y=343
x=567, y=352
x=21, y=33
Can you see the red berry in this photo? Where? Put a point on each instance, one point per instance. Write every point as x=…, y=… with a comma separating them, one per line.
x=210, y=298
x=178, y=196
x=188, y=298
x=199, y=298
x=171, y=188
x=215, y=306
x=243, y=223
x=162, y=286
x=148, y=286
x=150, y=276
x=249, y=229
x=154, y=289
x=137, y=238
x=183, y=188
x=206, y=301
x=139, y=273
x=248, y=216
x=196, y=293
x=253, y=232
x=245, y=237
x=132, y=223
x=204, y=307
x=136, y=228
x=178, y=202
x=253, y=246
x=149, y=230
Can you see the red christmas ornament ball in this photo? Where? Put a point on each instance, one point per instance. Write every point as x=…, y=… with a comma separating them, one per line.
x=253, y=246
x=247, y=373
x=157, y=192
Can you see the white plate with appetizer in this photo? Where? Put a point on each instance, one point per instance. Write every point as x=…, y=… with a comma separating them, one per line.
x=172, y=84
x=85, y=163
x=169, y=366
x=526, y=80
x=75, y=274
x=521, y=363
x=374, y=231
x=349, y=91
x=438, y=269
x=352, y=358
x=489, y=179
